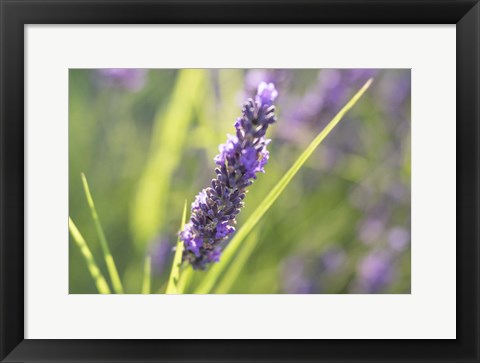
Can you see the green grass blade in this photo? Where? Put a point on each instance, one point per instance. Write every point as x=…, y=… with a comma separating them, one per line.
x=94, y=270
x=172, y=287
x=147, y=275
x=235, y=268
x=169, y=134
x=184, y=280
x=213, y=274
x=112, y=269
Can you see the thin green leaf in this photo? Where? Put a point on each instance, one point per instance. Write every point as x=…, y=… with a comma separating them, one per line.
x=169, y=135
x=146, y=275
x=235, y=268
x=213, y=274
x=184, y=281
x=95, y=272
x=112, y=269
x=172, y=287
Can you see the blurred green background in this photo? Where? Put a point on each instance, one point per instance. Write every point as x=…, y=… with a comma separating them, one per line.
x=146, y=140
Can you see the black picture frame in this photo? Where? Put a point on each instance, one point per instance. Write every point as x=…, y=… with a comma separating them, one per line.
x=15, y=14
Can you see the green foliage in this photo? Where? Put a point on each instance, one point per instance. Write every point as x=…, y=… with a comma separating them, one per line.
x=146, y=284
x=173, y=281
x=95, y=272
x=235, y=269
x=168, y=139
x=112, y=268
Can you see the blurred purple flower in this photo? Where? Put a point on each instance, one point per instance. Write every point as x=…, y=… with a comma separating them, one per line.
x=399, y=192
x=374, y=222
x=331, y=92
x=295, y=279
x=394, y=90
x=127, y=78
x=398, y=238
x=332, y=259
x=375, y=271
x=254, y=77
x=161, y=252
x=215, y=208
x=371, y=230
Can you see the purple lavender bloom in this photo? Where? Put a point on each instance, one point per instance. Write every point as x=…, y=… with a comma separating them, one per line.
x=375, y=271
x=215, y=208
x=127, y=78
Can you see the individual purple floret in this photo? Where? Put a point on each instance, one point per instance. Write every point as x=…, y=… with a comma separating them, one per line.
x=241, y=157
x=276, y=76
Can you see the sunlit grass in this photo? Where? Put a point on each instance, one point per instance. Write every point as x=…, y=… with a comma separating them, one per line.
x=235, y=269
x=109, y=261
x=149, y=206
x=92, y=266
x=147, y=271
x=173, y=281
x=185, y=279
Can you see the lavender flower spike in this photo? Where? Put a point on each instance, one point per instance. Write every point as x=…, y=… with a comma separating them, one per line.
x=241, y=157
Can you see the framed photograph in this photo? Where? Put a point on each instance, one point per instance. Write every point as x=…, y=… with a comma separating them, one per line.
x=239, y=181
